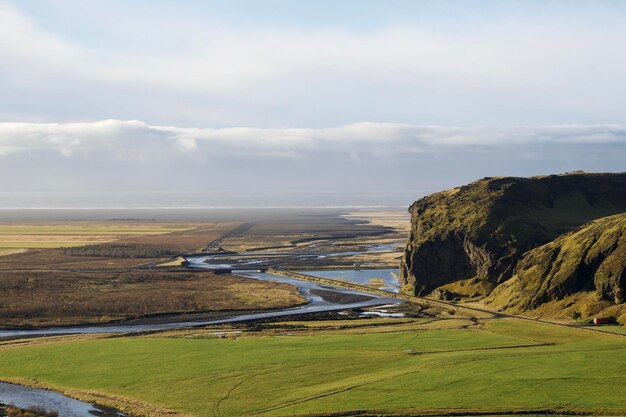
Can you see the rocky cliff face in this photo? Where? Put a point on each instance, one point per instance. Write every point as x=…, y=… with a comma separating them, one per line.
x=589, y=259
x=481, y=230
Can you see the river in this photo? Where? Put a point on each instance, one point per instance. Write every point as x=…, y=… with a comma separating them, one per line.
x=24, y=397
x=311, y=291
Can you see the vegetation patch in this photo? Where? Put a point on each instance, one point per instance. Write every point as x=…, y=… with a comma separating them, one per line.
x=582, y=274
x=506, y=366
x=481, y=230
x=29, y=412
x=121, y=250
x=15, y=238
x=49, y=298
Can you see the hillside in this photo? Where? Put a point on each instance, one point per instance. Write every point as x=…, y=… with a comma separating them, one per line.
x=586, y=268
x=478, y=232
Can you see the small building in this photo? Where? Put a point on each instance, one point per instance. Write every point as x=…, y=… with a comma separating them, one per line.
x=601, y=320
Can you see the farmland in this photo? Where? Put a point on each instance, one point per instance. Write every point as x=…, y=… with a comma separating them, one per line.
x=406, y=368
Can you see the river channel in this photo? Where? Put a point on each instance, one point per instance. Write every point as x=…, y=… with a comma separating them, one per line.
x=316, y=294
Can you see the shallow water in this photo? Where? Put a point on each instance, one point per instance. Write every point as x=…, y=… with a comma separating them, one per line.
x=24, y=397
x=257, y=259
x=361, y=277
x=385, y=247
x=316, y=304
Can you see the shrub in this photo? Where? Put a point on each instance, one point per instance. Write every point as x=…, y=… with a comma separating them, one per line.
x=121, y=250
x=35, y=411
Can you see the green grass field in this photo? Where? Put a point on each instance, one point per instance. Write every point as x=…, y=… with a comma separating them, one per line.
x=506, y=365
x=615, y=329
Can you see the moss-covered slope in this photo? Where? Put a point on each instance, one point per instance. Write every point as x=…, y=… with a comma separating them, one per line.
x=589, y=259
x=480, y=231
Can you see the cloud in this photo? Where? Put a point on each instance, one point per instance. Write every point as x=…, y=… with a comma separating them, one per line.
x=540, y=87
x=507, y=70
x=133, y=139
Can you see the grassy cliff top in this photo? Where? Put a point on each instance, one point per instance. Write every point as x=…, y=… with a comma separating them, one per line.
x=521, y=212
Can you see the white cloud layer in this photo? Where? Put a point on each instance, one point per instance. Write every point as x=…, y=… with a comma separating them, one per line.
x=518, y=68
x=128, y=139
x=542, y=82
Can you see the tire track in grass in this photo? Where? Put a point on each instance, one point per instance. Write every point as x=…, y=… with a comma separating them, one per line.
x=332, y=392
x=218, y=403
x=350, y=387
x=401, y=374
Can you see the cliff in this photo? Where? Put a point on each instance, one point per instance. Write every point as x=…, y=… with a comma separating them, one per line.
x=479, y=232
x=590, y=259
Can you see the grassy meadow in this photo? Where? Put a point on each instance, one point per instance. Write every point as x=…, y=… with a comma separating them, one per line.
x=504, y=365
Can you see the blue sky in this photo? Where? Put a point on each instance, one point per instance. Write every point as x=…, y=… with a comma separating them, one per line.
x=389, y=95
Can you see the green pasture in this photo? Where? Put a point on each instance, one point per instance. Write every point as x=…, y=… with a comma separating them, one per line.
x=507, y=365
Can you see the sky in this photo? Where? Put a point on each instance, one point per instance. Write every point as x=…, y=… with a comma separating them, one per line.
x=301, y=103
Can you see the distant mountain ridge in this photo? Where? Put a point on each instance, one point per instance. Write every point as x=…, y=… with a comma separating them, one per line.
x=480, y=232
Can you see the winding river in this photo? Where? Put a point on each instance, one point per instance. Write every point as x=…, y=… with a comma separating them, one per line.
x=24, y=397
x=311, y=291
x=316, y=304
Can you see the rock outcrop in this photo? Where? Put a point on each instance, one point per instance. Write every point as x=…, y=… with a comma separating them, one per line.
x=589, y=259
x=480, y=231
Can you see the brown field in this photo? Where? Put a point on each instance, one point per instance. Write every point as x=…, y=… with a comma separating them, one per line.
x=99, y=282
x=387, y=259
x=52, y=298
x=15, y=237
x=54, y=259
x=193, y=239
x=303, y=233
x=125, y=269
x=343, y=233
x=397, y=220
x=11, y=251
x=181, y=238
